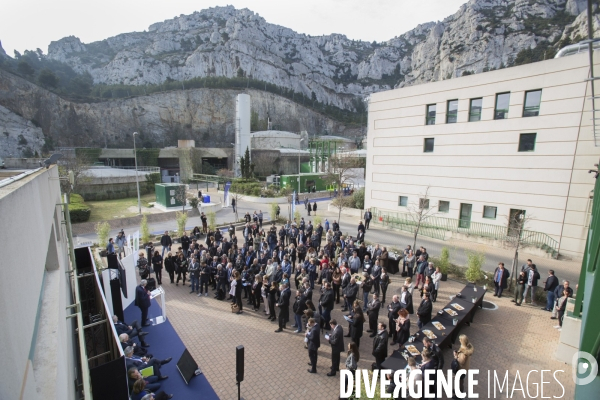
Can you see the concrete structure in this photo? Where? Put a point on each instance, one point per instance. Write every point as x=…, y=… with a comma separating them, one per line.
x=487, y=149
x=242, y=130
x=263, y=140
x=37, y=341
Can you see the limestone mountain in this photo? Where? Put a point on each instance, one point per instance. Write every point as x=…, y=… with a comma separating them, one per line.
x=226, y=42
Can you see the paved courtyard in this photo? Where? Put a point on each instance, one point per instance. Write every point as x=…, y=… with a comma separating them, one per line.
x=507, y=339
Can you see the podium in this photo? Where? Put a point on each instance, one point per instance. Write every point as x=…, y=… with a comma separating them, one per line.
x=159, y=291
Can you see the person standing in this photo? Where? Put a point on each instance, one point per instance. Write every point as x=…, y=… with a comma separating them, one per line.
x=205, y=273
x=384, y=281
x=501, y=276
x=402, y=327
x=336, y=340
x=170, y=266
x=308, y=208
x=110, y=247
x=157, y=263
x=142, y=300
x=313, y=340
x=424, y=311
x=558, y=294
x=314, y=207
x=166, y=242
x=352, y=360
x=373, y=313
x=393, y=309
x=326, y=302
x=368, y=215
x=238, y=291
x=121, y=242
x=204, y=220
x=561, y=307
x=260, y=218
x=298, y=308
x=520, y=288
x=532, y=278
x=550, y=284
x=233, y=203
x=356, y=327
x=380, y=344
x=284, y=307
x=463, y=357
x=185, y=244
x=194, y=270
x=436, y=277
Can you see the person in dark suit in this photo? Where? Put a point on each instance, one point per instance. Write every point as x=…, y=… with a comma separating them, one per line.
x=314, y=342
x=380, y=344
x=356, y=327
x=298, y=308
x=133, y=374
x=424, y=311
x=256, y=292
x=393, y=309
x=428, y=364
x=143, y=362
x=501, y=276
x=336, y=340
x=373, y=312
x=402, y=327
x=142, y=300
x=550, y=284
x=284, y=306
x=132, y=330
x=137, y=350
x=406, y=300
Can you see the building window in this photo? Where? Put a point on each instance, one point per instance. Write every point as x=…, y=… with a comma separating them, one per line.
x=527, y=142
x=424, y=204
x=430, y=115
x=444, y=206
x=501, y=110
x=475, y=110
x=428, y=145
x=452, y=112
x=532, y=103
x=490, y=212
x=402, y=201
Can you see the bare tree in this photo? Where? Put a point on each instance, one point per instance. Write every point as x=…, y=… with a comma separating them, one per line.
x=420, y=212
x=517, y=237
x=342, y=172
x=77, y=166
x=181, y=196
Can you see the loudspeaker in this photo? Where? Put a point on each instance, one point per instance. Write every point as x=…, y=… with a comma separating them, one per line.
x=239, y=363
x=187, y=366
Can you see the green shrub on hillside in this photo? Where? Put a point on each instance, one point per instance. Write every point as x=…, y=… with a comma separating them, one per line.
x=79, y=211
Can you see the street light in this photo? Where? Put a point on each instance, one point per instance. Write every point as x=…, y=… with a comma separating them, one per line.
x=137, y=180
x=299, y=150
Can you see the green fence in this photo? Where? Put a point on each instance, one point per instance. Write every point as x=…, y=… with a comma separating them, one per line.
x=437, y=227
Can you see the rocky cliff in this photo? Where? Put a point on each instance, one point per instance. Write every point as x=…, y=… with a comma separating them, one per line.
x=223, y=41
x=205, y=115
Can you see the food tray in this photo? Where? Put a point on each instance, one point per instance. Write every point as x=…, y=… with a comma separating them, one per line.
x=413, y=350
x=457, y=306
x=451, y=312
x=438, y=325
x=429, y=334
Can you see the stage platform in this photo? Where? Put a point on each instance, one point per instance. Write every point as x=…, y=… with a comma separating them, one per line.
x=164, y=342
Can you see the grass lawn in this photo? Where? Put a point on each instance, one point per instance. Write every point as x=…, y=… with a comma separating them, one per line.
x=111, y=209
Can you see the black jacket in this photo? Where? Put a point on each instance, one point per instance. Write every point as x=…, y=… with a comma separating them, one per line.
x=314, y=338
x=373, y=309
x=504, y=279
x=393, y=309
x=327, y=299
x=409, y=302
x=284, y=304
x=336, y=339
x=404, y=332
x=166, y=241
x=551, y=283
x=380, y=345
x=424, y=311
x=351, y=291
x=299, y=305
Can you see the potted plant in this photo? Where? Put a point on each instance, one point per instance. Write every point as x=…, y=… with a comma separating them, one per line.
x=145, y=232
x=103, y=231
x=444, y=263
x=475, y=261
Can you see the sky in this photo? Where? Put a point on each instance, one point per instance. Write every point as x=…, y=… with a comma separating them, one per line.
x=31, y=24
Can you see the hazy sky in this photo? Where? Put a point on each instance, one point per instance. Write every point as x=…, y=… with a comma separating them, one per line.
x=29, y=24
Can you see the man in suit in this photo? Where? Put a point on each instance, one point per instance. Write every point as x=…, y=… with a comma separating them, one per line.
x=144, y=362
x=500, y=280
x=550, y=284
x=142, y=300
x=368, y=216
x=424, y=311
x=336, y=340
x=133, y=374
x=376, y=276
x=393, y=309
x=326, y=304
x=380, y=344
x=345, y=282
x=298, y=308
x=284, y=307
x=314, y=342
x=373, y=312
x=132, y=330
x=137, y=350
x=350, y=293
x=428, y=364
x=406, y=300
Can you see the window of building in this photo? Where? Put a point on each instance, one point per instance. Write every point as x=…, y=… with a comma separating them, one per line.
x=430, y=115
x=444, y=206
x=490, y=212
x=527, y=142
x=501, y=110
x=428, y=145
x=532, y=103
x=452, y=112
x=402, y=201
x=424, y=204
x=475, y=110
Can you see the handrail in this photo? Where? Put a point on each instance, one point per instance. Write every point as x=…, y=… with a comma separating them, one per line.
x=436, y=227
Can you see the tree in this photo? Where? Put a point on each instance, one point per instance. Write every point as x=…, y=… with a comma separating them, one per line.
x=475, y=261
x=145, y=230
x=181, y=196
x=420, y=212
x=181, y=217
x=342, y=172
x=47, y=78
x=246, y=166
x=517, y=237
x=25, y=69
x=74, y=169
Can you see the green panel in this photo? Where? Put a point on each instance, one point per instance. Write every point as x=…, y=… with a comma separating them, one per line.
x=305, y=167
x=315, y=180
x=165, y=194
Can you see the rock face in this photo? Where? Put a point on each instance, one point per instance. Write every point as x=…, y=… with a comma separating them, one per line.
x=224, y=41
x=205, y=115
x=20, y=137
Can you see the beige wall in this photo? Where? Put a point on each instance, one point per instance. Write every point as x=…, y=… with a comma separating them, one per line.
x=478, y=162
x=34, y=292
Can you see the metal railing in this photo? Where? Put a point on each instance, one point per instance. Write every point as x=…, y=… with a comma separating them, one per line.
x=139, y=168
x=437, y=227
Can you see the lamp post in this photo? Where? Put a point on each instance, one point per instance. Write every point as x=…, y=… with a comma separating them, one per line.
x=299, y=150
x=137, y=180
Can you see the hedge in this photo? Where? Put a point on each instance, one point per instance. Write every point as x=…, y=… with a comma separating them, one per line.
x=79, y=211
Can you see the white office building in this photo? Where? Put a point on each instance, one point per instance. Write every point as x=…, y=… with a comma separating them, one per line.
x=490, y=147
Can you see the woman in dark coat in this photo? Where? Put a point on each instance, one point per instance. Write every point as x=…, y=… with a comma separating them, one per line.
x=402, y=327
x=314, y=207
x=157, y=262
x=273, y=290
x=383, y=283
x=170, y=266
x=181, y=263
x=358, y=321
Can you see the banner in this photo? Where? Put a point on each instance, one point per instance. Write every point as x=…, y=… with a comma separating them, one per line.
x=226, y=201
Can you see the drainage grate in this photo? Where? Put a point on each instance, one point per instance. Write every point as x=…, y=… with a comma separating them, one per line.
x=488, y=305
